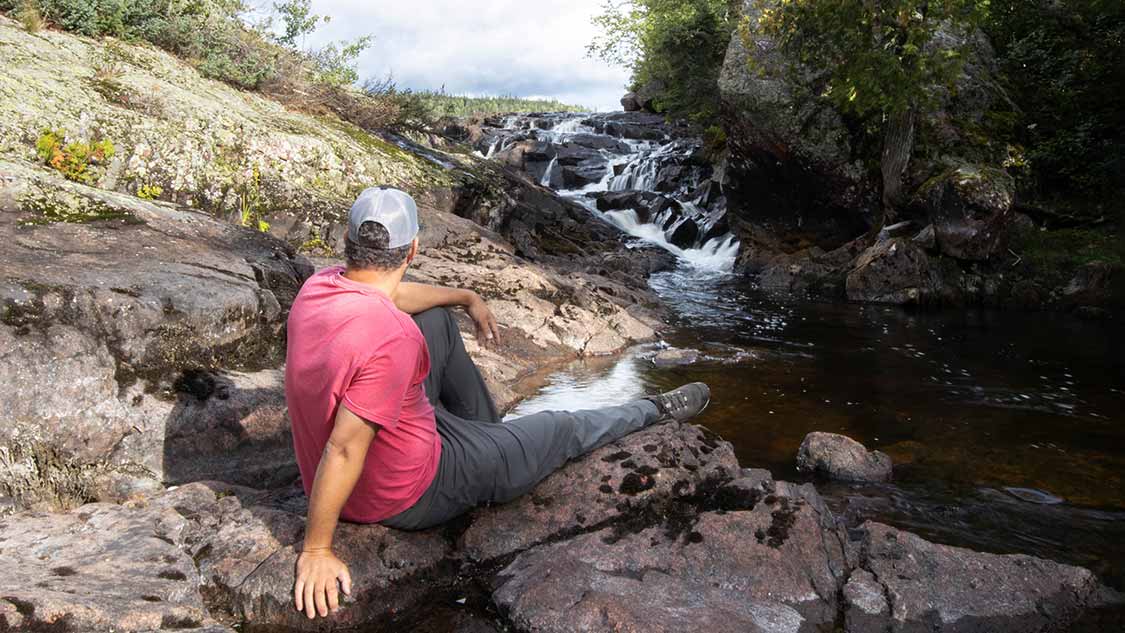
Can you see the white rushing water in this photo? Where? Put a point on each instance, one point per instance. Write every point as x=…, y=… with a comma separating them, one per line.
x=637, y=170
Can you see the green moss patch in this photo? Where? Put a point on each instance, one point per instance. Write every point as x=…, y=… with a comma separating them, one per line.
x=47, y=208
x=1055, y=255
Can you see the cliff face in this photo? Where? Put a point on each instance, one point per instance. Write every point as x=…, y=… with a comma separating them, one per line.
x=809, y=195
x=157, y=226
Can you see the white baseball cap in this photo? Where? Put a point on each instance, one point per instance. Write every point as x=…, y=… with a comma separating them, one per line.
x=395, y=210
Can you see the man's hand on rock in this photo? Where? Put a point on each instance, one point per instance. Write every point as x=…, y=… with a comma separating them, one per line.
x=316, y=591
x=488, y=330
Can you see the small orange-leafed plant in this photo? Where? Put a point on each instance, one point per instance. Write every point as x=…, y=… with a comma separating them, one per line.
x=74, y=159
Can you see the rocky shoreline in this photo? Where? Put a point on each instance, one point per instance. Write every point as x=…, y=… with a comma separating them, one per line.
x=660, y=532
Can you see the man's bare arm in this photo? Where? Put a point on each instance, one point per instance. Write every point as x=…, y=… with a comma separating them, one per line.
x=318, y=568
x=413, y=298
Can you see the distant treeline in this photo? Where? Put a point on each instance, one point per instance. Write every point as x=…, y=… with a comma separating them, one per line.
x=443, y=104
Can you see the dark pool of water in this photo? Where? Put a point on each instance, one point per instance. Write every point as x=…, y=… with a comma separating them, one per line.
x=967, y=402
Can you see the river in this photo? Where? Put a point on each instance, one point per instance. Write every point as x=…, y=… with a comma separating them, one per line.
x=1005, y=428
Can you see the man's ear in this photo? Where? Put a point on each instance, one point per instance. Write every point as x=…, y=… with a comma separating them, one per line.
x=413, y=251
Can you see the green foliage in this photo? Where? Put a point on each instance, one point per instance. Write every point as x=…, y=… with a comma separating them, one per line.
x=875, y=55
x=315, y=246
x=298, y=21
x=336, y=63
x=73, y=159
x=1063, y=62
x=207, y=32
x=714, y=140
x=251, y=205
x=150, y=192
x=676, y=45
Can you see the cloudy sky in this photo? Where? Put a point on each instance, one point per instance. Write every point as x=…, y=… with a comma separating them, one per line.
x=535, y=49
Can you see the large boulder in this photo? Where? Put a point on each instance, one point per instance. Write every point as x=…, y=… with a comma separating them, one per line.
x=645, y=469
x=109, y=305
x=842, y=458
x=969, y=208
x=1096, y=285
x=774, y=564
x=894, y=271
x=914, y=585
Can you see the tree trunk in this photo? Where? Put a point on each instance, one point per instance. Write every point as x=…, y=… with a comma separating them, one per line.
x=898, y=143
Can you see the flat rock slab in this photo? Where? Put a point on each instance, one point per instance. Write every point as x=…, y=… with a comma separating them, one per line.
x=776, y=568
x=652, y=466
x=911, y=585
x=102, y=567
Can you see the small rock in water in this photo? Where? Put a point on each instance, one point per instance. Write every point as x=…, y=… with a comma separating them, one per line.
x=839, y=457
x=673, y=357
x=1031, y=495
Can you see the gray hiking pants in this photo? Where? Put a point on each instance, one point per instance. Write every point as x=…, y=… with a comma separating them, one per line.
x=484, y=460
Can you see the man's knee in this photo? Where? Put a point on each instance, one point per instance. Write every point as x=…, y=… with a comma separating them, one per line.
x=434, y=321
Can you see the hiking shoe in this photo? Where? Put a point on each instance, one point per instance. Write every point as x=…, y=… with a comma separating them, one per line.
x=683, y=403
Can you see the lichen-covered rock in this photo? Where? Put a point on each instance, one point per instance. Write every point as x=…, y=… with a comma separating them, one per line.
x=648, y=468
x=204, y=143
x=107, y=300
x=948, y=589
x=842, y=458
x=894, y=271
x=776, y=567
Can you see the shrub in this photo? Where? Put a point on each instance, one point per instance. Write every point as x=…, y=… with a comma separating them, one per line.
x=74, y=159
x=150, y=192
x=1063, y=64
x=677, y=44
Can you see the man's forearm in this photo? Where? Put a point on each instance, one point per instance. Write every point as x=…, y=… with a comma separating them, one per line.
x=413, y=298
x=336, y=477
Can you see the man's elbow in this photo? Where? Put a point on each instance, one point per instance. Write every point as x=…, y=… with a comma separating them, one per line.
x=340, y=451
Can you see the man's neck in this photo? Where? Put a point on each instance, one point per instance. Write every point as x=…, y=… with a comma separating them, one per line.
x=385, y=281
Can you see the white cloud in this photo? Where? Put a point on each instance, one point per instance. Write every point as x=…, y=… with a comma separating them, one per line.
x=481, y=47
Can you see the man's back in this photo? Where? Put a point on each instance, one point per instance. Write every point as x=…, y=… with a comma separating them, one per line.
x=348, y=344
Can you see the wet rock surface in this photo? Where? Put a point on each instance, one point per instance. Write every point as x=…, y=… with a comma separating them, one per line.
x=941, y=588
x=842, y=458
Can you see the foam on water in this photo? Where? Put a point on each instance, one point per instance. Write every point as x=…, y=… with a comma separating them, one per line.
x=639, y=171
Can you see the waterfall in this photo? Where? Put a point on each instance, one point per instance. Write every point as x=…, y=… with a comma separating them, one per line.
x=546, y=179
x=638, y=169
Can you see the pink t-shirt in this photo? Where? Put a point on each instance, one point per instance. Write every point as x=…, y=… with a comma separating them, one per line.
x=348, y=343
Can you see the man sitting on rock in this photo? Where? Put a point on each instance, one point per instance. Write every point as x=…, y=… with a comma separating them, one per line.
x=392, y=421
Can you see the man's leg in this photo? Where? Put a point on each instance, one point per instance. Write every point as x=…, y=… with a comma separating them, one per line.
x=454, y=382
x=495, y=463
